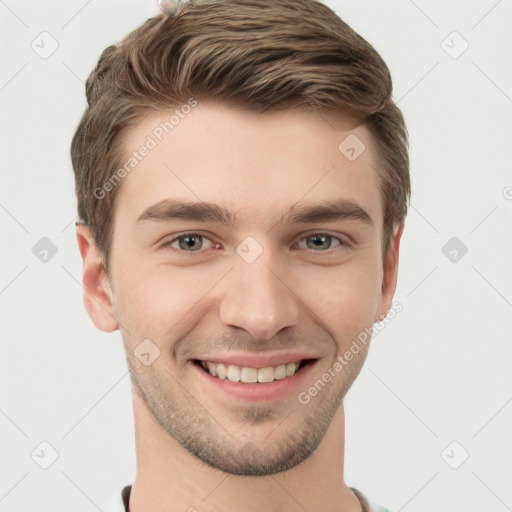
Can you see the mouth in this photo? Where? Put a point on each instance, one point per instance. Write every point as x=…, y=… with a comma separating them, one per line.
x=253, y=375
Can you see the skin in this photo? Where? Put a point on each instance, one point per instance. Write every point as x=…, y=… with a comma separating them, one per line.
x=197, y=447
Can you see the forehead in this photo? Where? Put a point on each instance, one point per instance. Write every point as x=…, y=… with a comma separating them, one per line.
x=257, y=164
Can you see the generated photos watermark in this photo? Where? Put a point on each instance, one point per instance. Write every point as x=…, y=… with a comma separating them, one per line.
x=157, y=135
x=362, y=339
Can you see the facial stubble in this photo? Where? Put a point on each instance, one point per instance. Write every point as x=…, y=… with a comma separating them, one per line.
x=298, y=430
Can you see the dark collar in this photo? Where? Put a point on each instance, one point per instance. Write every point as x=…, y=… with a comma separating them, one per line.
x=128, y=489
x=125, y=494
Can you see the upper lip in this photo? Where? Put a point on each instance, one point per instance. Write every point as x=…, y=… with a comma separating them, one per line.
x=255, y=360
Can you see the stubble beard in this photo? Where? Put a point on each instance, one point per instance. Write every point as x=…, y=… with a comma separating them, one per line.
x=297, y=434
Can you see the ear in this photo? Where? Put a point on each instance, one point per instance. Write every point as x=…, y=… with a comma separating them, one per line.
x=390, y=274
x=97, y=294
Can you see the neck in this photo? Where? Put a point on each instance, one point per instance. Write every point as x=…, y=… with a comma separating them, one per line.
x=169, y=478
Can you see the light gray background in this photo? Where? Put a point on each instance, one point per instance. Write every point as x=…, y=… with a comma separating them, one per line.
x=438, y=373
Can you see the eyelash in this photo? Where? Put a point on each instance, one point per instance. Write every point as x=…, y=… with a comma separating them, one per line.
x=342, y=243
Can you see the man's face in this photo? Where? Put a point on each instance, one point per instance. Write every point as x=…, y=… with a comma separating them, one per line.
x=286, y=281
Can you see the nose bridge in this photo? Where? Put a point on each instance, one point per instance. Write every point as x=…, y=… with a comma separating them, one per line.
x=257, y=298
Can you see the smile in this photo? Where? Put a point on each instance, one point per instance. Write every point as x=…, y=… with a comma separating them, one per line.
x=250, y=375
x=253, y=377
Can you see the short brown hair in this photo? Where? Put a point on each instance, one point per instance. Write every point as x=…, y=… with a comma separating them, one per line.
x=260, y=55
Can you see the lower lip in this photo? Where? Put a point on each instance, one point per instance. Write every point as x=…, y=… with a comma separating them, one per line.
x=264, y=392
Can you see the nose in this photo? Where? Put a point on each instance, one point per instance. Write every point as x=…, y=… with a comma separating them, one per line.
x=258, y=298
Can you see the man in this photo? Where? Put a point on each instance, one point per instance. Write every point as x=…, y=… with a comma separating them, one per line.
x=242, y=179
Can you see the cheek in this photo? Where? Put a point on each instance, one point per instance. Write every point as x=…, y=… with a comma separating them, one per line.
x=343, y=300
x=161, y=303
x=158, y=301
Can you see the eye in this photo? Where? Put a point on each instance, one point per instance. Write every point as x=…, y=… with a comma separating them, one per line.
x=190, y=242
x=319, y=242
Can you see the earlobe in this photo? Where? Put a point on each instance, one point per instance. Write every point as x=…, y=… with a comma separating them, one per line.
x=97, y=293
x=390, y=275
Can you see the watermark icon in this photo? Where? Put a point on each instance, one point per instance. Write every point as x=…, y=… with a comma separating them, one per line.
x=363, y=338
x=455, y=455
x=146, y=352
x=157, y=135
x=454, y=45
x=45, y=45
x=352, y=147
x=507, y=193
x=44, y=250
x=454, y=249
x=249, y=250
x=44, y=455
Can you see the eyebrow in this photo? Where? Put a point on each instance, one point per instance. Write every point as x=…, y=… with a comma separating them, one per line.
x=171, y=209
x=308, y=213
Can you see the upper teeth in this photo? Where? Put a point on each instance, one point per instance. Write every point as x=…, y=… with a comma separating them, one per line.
x=247, y=374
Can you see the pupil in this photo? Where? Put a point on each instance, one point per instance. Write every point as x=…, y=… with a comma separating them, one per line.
x=189, y=241
x=319, y=241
